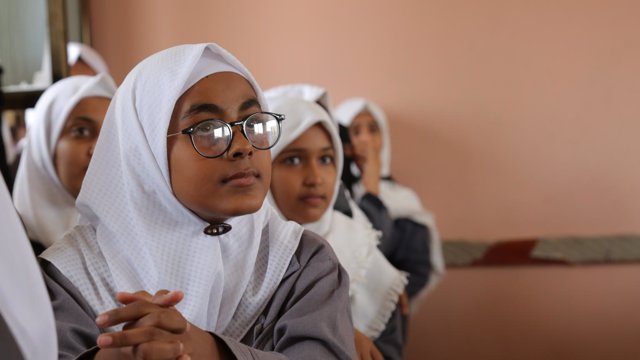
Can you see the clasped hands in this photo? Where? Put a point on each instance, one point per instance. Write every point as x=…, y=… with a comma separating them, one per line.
x=153, y=330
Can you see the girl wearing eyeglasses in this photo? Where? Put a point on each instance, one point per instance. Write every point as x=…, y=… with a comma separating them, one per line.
x=177, y=255
x=307, y=162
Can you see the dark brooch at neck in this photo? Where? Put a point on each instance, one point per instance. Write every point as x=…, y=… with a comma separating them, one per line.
x=217, y=229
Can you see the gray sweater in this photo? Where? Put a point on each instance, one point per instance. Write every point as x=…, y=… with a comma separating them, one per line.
x=308, y=317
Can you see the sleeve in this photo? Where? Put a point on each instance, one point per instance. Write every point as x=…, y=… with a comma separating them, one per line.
x=314, y=321
x=412, y=253
x=342, y=202
x=9, y=347
x=391, y=340
x=77, y=331
x=378, y=215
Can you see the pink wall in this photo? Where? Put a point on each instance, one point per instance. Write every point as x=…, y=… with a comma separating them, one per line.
x=509, y=118
x=530, y=313
x=522, y=115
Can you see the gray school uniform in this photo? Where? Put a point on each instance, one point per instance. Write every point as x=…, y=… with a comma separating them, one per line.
x=308, y=317
x=9, y=348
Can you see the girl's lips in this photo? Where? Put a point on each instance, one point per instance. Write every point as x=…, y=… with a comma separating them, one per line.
x=242, y=178
x=314, y=200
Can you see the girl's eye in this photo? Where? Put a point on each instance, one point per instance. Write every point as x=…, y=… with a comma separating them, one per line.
x=293, y=160
x=373, y=128
x=204, y=129
x=326, y=159
x=80, y=132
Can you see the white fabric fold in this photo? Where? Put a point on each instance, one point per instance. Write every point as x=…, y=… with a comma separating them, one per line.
x=305, y=91
x=24, y=302
x=137, y=236
x=374, y=283
x=401, y=201
x=45, y=206
x=79, y=51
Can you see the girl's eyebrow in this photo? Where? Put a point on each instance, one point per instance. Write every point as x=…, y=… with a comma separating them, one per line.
x=215, y=109
x=201, y=108
x=248, y=104
x=84, y=118
x=304, y=150
x=294, y=150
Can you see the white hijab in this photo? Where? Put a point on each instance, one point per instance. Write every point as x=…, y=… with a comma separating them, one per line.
x=140, y=237
x=45, y=206
x=319, y=95
x=24, y=302
x=79, y=51
x=309, y=92
x=374, y=283
x=401, y=201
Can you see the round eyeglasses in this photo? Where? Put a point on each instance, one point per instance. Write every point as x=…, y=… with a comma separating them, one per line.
x=212, y=137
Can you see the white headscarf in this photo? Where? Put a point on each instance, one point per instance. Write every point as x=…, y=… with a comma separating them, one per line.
x=140, y=237
x=319, y=95
x=24, y=302
x=45, y=206
x=309, y=92
x=401, y=201
x=374, y=283
x=78, y=51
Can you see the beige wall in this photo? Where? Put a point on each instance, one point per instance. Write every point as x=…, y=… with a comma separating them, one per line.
x=530, y=313
x=509, y=118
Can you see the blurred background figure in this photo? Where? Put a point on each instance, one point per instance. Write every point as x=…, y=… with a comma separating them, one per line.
x=305, y=179
x=61, y=136
x=415, y=245
x=368, y=209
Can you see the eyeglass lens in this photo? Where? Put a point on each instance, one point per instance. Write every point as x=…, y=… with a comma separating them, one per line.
x=212, y=138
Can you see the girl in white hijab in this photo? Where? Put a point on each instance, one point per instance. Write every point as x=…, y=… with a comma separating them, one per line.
x=415, y=244
x=369, y=209
x=174, y=200
x=307, y=162
x=63, y=130
x=27, y=328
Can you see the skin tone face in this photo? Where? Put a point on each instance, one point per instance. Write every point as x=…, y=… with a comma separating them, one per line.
x=233, y=184
x=366, y=138
x=81, y=68
x=304, y=176
x=77, y=139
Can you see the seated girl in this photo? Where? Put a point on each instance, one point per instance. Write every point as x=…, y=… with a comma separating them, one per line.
x=369, y=208
x=304, y=185
x=60, y=139
x=177, y=255
x=414, y=245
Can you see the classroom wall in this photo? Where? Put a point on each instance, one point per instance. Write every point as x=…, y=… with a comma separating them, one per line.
x=509, y=118
x=522, y=115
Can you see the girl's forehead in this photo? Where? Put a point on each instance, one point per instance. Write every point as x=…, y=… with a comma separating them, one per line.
x=315, y=137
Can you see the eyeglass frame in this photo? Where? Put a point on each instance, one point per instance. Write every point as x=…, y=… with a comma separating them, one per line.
x=189, y=131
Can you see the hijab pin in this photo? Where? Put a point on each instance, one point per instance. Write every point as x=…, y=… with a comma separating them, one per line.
x=217, y=229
